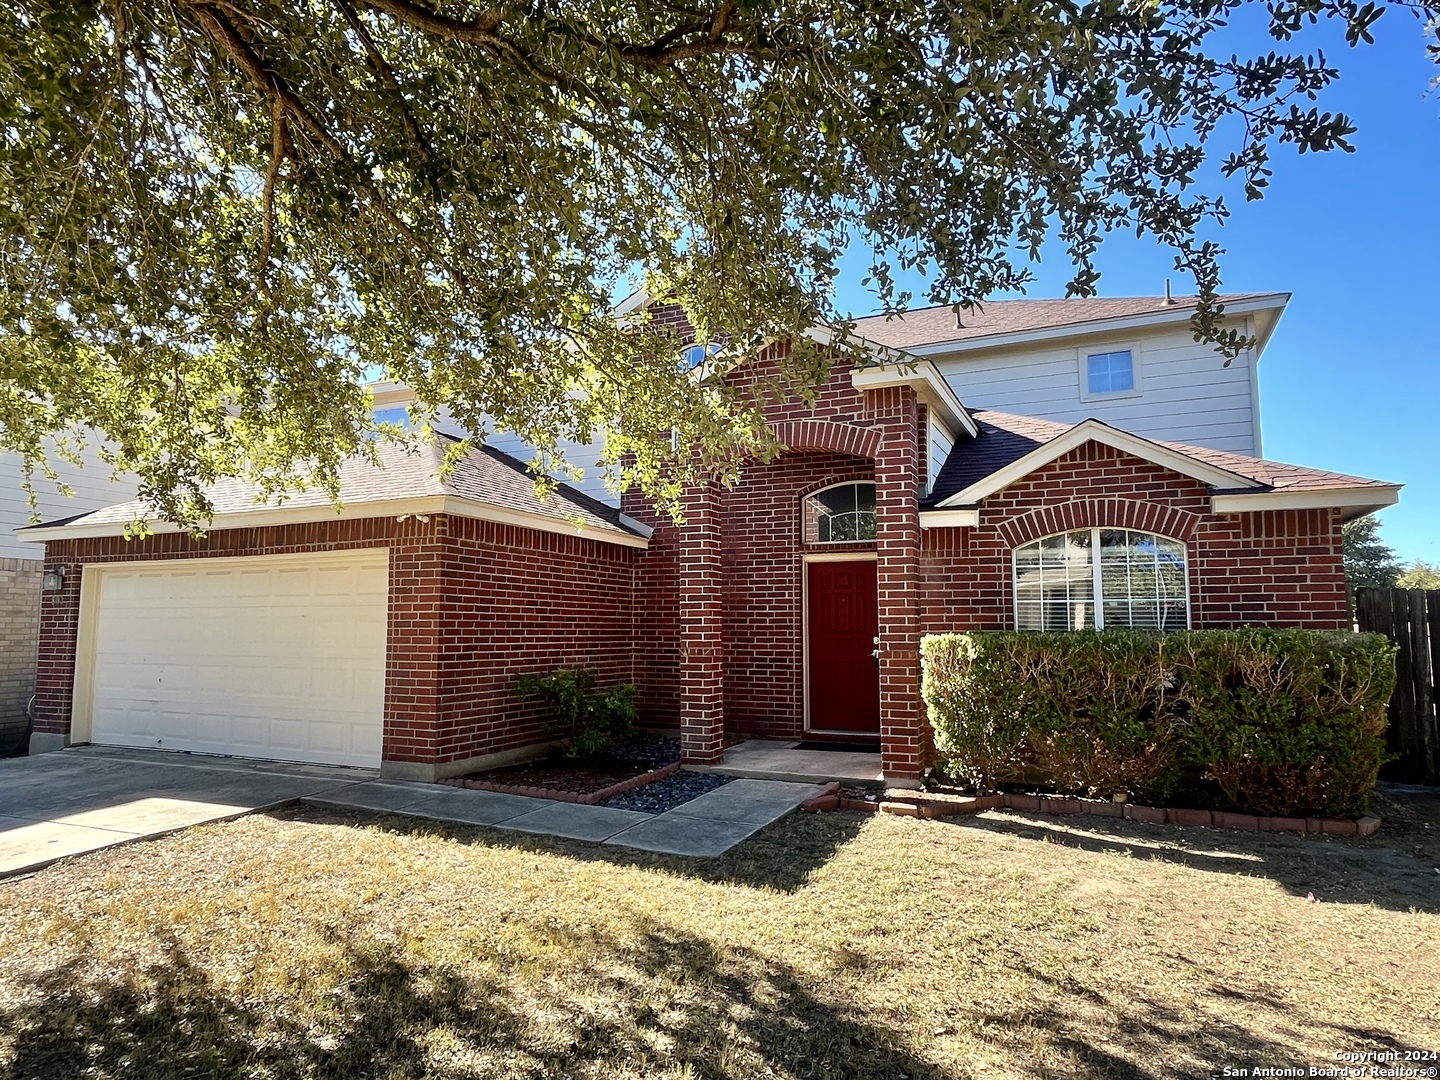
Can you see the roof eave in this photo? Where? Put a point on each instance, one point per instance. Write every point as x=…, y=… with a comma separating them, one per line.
x=1089, y=327
x=1352, y=501
x=457, y=505
x=894, y=368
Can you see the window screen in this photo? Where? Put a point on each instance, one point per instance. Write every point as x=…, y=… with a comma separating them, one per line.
x=1110, y=372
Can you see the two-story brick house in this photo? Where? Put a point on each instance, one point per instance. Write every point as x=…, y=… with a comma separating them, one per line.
x=1037, y=464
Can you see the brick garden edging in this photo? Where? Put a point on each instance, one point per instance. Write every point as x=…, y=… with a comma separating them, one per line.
x=918, y=806
x=588, y=798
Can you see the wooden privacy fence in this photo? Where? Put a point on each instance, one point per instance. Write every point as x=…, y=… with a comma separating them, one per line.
x=1411, y=619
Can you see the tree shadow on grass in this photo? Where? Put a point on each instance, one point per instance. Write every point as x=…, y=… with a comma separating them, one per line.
x=1154, y=1039
x=661, y=1002
x=779, y=856
x=1394, y=869
x=664, y=1003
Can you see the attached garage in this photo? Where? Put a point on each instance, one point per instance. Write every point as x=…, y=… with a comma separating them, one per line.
x=279, y=657
x=383, y=633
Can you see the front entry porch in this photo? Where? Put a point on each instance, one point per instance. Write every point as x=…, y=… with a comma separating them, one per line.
x=798, y=762
x=798, y=613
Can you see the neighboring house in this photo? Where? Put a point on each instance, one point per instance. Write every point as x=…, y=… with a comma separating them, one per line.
x=21, y=563
x=917, y=496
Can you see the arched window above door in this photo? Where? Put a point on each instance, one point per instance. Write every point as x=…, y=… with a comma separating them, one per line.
x=841, y=514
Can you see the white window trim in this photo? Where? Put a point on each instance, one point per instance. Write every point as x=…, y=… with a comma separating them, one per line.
x=1096, y=587
x=831, y=487
x=1137, y=366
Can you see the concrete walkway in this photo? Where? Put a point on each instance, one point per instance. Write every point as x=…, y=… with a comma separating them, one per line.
x=707, y=826
x=87, y=798
x=776, y=759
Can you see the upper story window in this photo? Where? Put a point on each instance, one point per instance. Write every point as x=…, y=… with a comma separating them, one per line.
x=1110, y=373
x=692, y=356
x=1139, y=579
x=841, y=514
x=399, y=415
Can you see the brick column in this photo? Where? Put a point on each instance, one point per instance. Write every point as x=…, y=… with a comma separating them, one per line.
x=702, y=645
x=413, y=649
x=904, y=736
x=55, y=660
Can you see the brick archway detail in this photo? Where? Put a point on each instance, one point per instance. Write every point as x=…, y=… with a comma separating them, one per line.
x=1136, y=514
x=827, y=437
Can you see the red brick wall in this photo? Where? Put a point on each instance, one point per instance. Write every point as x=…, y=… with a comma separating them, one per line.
x=762, y=545
x=19, y=637
x=656, y=631
x=761, y=548
x=1273, y=569
x=472, y=604
x=904, y=738
x=702, y=627
x=515, y=601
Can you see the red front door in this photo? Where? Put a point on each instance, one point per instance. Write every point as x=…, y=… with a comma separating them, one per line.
x=844, y=690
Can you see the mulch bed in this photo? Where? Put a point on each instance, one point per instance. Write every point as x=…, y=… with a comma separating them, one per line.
x=635, y=762
x=563, y=774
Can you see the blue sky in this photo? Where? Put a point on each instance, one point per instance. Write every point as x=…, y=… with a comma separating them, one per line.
x=1351, y=379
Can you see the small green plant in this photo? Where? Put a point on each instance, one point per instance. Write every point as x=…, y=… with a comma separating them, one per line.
x=1273, y=722
x=588, y=721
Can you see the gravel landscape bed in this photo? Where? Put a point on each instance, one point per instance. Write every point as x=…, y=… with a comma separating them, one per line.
x=675, y=790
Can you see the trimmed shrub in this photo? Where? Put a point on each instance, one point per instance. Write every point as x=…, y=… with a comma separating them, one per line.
x=1276, y=722
x=588, y=722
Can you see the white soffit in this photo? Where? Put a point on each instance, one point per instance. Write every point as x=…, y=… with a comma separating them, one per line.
x=949, y=519
x=927, y=382
x=1365, y=498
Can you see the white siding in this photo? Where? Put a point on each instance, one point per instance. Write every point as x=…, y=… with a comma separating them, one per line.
x=591, y=482
x=93, y=489
x=586, y=456
x=938, y=449
x=1187, y=395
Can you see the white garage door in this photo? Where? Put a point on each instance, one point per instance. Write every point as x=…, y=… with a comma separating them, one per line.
x=275, y=657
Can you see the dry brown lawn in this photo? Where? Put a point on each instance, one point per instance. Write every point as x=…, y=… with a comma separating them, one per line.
x=318, y=944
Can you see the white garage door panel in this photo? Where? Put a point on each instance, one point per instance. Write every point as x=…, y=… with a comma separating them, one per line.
x=272, y=658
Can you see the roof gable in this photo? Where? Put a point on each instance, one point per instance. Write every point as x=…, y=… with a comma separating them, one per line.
x=1011, y=447
x=1034, y=453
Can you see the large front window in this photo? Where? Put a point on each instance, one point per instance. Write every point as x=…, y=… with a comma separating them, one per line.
x=840, y=514
x=1139, y=579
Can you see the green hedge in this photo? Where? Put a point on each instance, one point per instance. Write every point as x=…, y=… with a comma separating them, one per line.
x=1273, y=722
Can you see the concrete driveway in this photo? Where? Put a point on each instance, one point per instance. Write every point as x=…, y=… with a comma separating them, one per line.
x=90, y=797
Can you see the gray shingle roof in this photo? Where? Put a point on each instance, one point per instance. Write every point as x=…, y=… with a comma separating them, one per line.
x=483, y=475
x=1005, y=438
x=936, y=325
